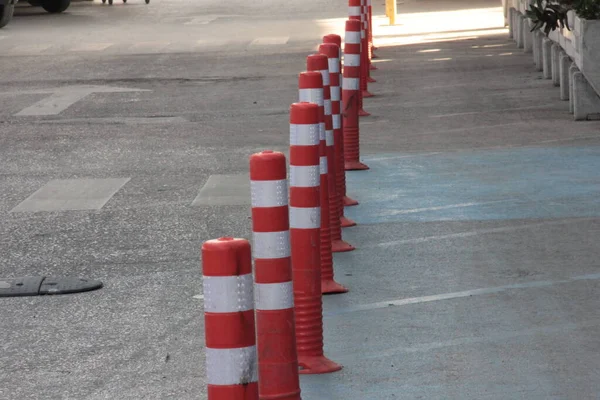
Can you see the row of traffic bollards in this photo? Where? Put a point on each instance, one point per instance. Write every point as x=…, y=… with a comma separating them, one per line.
x=264, y=326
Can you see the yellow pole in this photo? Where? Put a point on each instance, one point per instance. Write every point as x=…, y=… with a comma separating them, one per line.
x=393, y=12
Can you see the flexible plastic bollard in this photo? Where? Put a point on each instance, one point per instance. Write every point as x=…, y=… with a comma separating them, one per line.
x=320, y=63
x=311, y=90
x=274, y=294
x=368, y=38
x=305, y=217
x=371, y=45
x=339, y=144
x=350, y=98
x=365, y=52
x=353, y=47
x=229, y=320
x=331, y=50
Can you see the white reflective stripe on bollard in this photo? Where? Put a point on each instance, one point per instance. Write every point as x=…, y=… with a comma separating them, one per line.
x=271, y=245
x=304, y=135
x=327, y=107
x=325, y=75
x=329, y=138
x=334, y=65
x=352, y=37
x=274, y=296
x=304, y=176
x=305, y=217
x=351, y=84
x=335, y=93
x=337, y=121
x=227, y=294
x=225, y=366
x=352, y=60
x=311, y=96
x=354, y=11
x=323, y=165
x=269, y=193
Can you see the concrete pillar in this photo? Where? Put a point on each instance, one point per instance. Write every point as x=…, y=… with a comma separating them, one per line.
x=547, y=57
x=539, y=60
x=535, y=46
x=520, y=30
x=527, y=37
x=556, y=64
x=565, y=63
x=586, y=103
x=572, y=70
x=511, y=21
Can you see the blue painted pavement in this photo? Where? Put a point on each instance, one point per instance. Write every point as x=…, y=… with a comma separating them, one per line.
x=517, y=183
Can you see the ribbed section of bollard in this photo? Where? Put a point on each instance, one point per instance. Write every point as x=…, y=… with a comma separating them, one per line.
x=274, y=295
x=305, y=222
x=350, y=97
x=312, y=90
x=331, y=50
x=339, y=144
x=231, y=367
x=355, y=38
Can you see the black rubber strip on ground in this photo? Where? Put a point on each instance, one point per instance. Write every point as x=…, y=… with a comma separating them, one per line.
x=43, y=285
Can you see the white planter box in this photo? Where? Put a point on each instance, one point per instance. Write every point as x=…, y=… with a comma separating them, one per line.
x=588, y=50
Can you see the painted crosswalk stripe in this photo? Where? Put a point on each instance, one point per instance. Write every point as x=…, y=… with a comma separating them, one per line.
x=91, y=47
x=270, y=41
x=31, y=49
x=149, y=46
x=72, y=194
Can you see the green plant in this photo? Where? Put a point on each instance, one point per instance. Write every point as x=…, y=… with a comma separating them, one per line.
x=552, y=14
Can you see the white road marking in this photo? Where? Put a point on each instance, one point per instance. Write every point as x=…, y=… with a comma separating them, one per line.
x=63, y=98
x=91, y=47
x=207, y=19
x=493, y=111
x=199, y=297
x=457, y=295
x=224, y=190
x=33, y=49
x=473, y=233
x=149, y=46
x=425, y=209
x=270, y=41
x=72, y=194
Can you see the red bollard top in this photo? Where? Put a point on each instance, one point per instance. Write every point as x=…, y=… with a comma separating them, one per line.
x=333, y=38
x=226, y=256
x=267, y=166
x=355, y=8
x=310, y=80
x=305, y=113
x=317, y=62
x=332, y=51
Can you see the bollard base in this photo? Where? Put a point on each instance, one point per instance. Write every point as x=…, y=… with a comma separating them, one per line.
x=366, y=93
x=373, y=68
x=317, y=365
x=329, y=286
x=363, y=113
x=340, y=246
x=349, y=202
x=346, y=222
x=371, y=80
x=355, y=166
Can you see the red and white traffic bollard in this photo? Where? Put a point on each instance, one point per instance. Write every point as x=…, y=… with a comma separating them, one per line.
x=350, y=98
x=311, y=90
x=339, y=143
x=274, y=294
x=331, y=50
x=371, y=45
x=229, y=320
x=353, y=47
x=305, y=217
x=365, y=52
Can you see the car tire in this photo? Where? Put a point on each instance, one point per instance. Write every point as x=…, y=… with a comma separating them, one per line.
x=55, y=6
x=6, y=13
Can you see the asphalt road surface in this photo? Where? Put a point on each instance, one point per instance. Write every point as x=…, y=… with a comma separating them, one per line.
x=476, y=274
